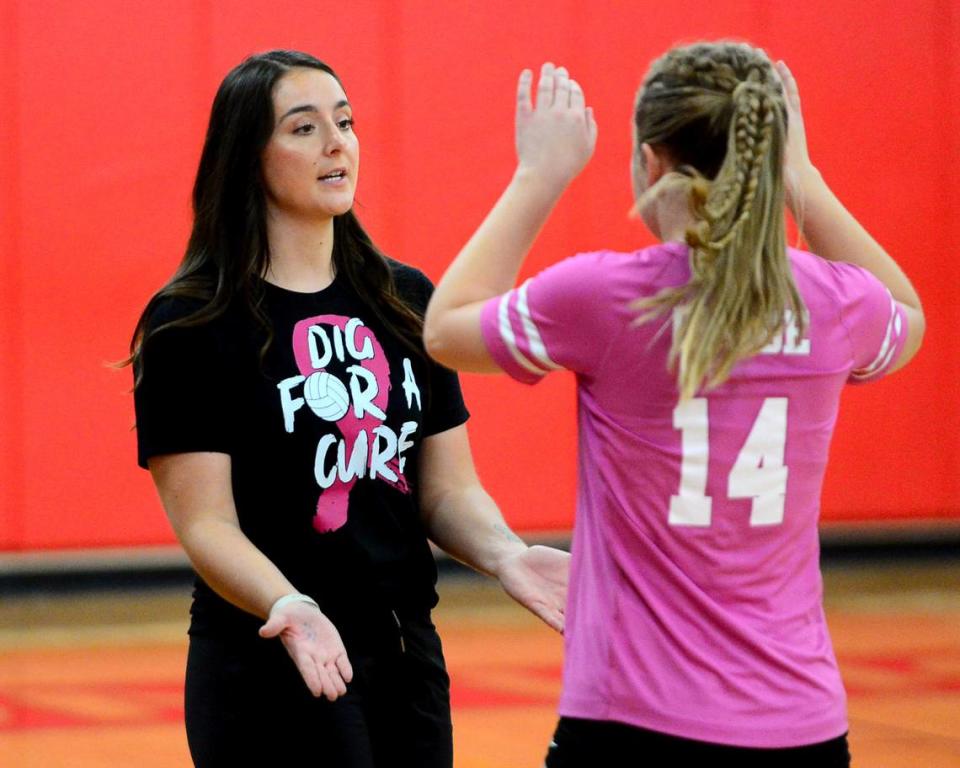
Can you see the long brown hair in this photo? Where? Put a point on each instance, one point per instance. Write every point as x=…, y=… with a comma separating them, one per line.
x=718, y=111
x=228, y=250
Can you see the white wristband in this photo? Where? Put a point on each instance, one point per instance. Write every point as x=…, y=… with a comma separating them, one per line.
x=293, y=597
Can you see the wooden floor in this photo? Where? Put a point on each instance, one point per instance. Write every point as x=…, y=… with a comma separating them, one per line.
x=95, y=680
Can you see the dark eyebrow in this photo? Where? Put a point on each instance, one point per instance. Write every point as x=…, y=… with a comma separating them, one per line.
x=311, y=108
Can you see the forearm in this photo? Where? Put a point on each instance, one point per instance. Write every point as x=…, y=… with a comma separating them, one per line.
x=834, y=234
x=554, y=141
x=232, y=566
x=467, y=525
x=488, y=264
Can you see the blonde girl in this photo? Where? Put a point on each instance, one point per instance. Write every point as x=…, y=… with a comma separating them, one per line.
x=709, y=370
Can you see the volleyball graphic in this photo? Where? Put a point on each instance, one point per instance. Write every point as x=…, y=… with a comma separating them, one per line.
x=326, y=395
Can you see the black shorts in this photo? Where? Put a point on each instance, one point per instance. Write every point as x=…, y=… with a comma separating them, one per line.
x=593, y=743
x=246, y=703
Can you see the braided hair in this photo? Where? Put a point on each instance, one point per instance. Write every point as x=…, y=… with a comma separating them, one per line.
x=718, y=110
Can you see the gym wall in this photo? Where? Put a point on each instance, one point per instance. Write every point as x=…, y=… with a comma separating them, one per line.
x=103, y=106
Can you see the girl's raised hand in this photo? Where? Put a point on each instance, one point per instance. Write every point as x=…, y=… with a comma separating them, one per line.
x=796, y=160
x=556, y=137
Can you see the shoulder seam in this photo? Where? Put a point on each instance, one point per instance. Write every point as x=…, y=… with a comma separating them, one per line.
x=843, y=321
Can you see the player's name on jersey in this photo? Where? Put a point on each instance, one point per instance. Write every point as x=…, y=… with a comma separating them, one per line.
x=788, y=341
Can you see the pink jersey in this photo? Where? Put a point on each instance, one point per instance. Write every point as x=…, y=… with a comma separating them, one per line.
x=695, y=597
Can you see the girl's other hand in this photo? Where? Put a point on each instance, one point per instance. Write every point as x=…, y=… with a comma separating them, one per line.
x=556, y=137
x=797, y=165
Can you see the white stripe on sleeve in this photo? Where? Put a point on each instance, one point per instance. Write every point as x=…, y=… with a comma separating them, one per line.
x=537, y=347
x=889, y=346
x=506, y=333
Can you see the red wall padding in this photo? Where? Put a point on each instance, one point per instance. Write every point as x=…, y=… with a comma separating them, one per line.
x=103, y=108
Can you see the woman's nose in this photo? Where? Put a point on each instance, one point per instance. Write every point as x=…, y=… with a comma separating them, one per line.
x=334, y=141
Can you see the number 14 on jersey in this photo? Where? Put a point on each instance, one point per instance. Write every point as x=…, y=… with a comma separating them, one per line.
x=758, y=473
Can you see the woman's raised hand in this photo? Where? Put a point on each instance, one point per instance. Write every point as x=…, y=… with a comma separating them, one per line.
x=556, y=137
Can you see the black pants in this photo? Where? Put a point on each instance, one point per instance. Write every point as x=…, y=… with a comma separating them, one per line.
x=246, y=704
x=592, y=743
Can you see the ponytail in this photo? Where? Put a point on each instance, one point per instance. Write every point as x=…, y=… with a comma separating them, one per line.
x=741, y=287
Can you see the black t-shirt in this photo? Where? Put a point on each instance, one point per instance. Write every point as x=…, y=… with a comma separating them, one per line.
x=324, y=436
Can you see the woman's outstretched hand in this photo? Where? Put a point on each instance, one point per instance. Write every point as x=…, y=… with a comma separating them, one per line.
x=537, y=577
x=314, y=645
x=556, y=137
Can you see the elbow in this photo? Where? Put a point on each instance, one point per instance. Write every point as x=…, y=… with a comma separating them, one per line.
x=434, y=349
x=440, y=352
x=434, y=338
x=916, y=329
x=453, y=338
x=919, y=323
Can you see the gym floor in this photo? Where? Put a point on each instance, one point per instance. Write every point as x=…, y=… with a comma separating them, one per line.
x=93, y=678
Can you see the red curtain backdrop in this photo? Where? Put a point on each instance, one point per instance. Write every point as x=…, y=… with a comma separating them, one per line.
x=104, y=105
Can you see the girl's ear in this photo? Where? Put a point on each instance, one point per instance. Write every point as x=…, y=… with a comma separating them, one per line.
x=654, y=164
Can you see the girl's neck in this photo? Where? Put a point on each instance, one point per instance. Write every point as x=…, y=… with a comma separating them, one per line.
x=301, y=252
x=665, y=208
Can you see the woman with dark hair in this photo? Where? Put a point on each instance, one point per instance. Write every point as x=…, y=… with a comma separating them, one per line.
x=306, y=449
